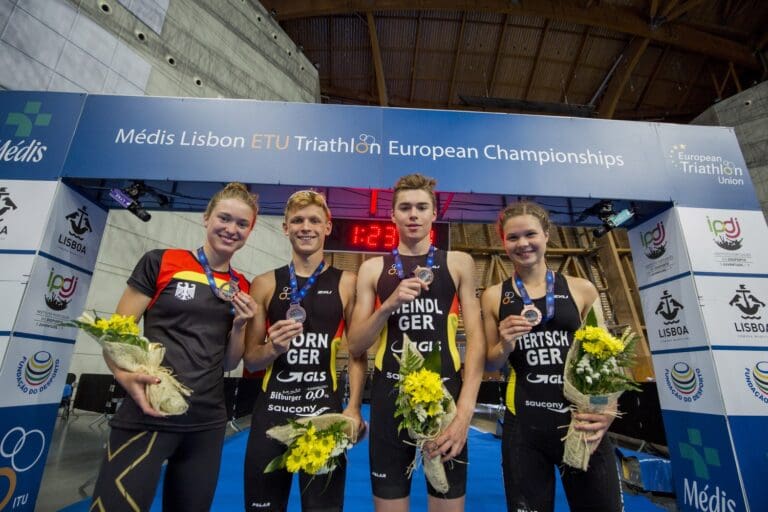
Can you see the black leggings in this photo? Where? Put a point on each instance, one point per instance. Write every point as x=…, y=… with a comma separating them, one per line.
x=528, y=458
x=131, y=469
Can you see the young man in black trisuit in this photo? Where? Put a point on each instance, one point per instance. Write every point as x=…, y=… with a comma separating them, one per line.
x=391, y=303
x=296, y=334
x=529, y=321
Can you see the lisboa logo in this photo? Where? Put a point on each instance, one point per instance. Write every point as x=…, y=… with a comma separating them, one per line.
x=757, y=380
x=685, y=383
x=727, y=233
x=654, y=241
x=34, y=375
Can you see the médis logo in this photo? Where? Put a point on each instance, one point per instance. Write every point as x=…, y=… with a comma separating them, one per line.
x=701, y=457
x=34, y=375
x=25, y=150
x=654, y=241
x=79, y=226
x=685, y=383
x=727, y=233
x=756, y=379
x=60, y=290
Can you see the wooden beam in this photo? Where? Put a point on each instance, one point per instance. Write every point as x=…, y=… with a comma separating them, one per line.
x=654, y=9
x=652, y=78
x=691, y=83
x=610, y=17
x=572, y=69
x=381, y=85
x=500, y=44
x=682, y=9
x=415, y=64
x=668, y=8
x=735, y=77
x=536, y=59
x=620, y=78
x=456, y=57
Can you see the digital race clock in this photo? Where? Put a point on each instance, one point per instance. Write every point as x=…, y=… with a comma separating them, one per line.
x=361, y=235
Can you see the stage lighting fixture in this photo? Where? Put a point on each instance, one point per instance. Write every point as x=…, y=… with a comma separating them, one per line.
x=128, y=198
x=613, y=221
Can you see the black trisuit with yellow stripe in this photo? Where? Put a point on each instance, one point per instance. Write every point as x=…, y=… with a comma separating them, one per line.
x=300, y=383
x=431, y=321
x=537, y=413
x=193, y=325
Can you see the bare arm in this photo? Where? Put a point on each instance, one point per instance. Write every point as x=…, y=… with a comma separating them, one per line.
x=261, y=350
x=358, y=365
x=454, y=437
x=133, y=302
x=367, y=321
x=245, y=309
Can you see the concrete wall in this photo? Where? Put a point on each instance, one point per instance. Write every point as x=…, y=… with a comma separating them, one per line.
x=747, y=112
x=191, y=48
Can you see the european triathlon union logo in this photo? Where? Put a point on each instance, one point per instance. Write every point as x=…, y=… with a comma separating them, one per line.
x=29, y=117
x=701, y=457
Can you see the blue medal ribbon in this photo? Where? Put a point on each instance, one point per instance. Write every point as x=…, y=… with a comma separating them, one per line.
x=399, y=262
x=203, y=259
x=550, y=297
x=298, y=295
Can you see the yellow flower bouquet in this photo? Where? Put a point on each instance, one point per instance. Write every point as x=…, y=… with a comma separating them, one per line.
x=315, y=445
x=120, y=339
x=425, y=407
x=595, y=377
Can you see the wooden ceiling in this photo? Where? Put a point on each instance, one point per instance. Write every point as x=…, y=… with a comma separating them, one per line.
x=663, y=60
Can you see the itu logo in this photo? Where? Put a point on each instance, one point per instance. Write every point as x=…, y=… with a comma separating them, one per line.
x=727, y=233
x=684, y=382
x=60, y=290
x=654, y=241
x=756, y=379
x=509, y=297
x=35, y=374
x=22, y=449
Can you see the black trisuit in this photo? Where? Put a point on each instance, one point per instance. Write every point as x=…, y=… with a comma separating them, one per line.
x=193, y=325
x=537, y=414
x=300, y=383
x=431, y=321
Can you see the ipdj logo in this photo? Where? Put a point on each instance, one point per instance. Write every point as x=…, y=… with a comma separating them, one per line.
x=23, y=449
x=702, y=457
x=727, y=233
x=31, y=116
x=60, y=290
x=654, y=241
x=757, y=380
x=668, y=308
x=747, y=303
x=684, y=382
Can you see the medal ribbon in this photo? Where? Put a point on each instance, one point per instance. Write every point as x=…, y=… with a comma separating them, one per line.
x=203, y=259
x=296, y=294
x=399, y=262
x=550, y=297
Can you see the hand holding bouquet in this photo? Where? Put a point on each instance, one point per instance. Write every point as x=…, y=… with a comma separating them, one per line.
x=315, y=445
x=594, y=379
x=425, y=406
x=119, y=337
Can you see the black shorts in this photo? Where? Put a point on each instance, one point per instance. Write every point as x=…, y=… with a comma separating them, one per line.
x=270, y=491
x=529, y=457
x=390, y=456
x=131, y=469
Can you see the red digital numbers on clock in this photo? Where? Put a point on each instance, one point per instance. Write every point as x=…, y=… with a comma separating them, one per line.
x=373, y=236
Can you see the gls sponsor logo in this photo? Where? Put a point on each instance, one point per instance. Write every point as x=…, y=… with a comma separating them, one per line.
x=6, y=205
x=702, y=458
x=669, y=310
x=79, y=226
x=284, y=376
x=60, y=290
x=36, y=374
x=654, y=241
x=23, y=449
x=727, y=233
x=25, y=150
x=749, y=306
x=544, y=379
x=424, y=347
